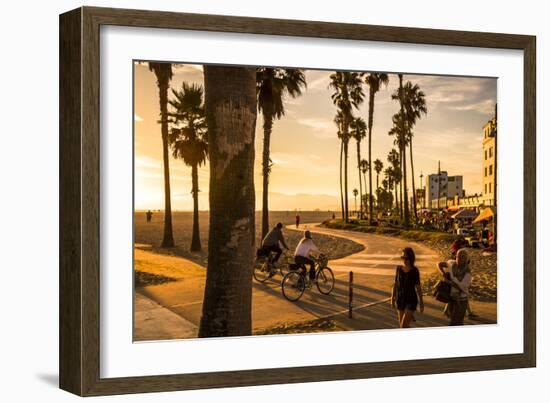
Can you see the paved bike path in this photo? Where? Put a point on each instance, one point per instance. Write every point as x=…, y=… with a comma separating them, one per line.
x=373, y=270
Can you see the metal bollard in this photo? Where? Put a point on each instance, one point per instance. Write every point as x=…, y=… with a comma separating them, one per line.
x=350, y=300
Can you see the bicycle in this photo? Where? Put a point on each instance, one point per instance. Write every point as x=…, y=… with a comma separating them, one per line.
x=297, y=280
x=265, y=268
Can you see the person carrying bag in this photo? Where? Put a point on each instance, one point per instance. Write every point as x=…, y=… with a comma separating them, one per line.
x=457, y=275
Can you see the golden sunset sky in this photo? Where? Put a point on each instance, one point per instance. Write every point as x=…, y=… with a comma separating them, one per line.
x=305, y=149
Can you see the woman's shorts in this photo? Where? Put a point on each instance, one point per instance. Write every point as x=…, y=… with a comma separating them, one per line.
x=405, y=305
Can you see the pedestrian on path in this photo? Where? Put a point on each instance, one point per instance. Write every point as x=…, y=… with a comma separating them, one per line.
x=297, y=220
x=406, y=291
x=457, y=274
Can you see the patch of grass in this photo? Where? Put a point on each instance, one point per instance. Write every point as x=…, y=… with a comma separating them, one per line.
x=312, y=326
x=390, y=230
x=143, y=279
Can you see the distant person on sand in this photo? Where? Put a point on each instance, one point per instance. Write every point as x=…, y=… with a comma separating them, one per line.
x=406, y=293
x=297, y=220
x=149, y=215
x=457, y=274
x=272, y=239
x=302, y=256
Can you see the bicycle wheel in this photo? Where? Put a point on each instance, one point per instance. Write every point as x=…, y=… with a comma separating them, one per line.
x=325, y=280
x=283, y=268
x=293, y=286
x=261, y=271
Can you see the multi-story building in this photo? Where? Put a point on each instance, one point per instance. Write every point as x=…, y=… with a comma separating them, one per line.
x=442, y=186
x=489, y=159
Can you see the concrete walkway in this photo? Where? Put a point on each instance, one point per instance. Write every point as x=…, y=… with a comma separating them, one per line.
x=153, y=322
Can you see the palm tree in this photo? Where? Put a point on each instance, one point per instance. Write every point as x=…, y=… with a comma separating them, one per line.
x=415, y=106
x=401, y=127
x=355, y=193
x=364, y=164
x=378, y=166
x=230, y=107
x=358, y=132
x=338, y=121
x=163, y=73
x=189, y=142
x=348, y=94
x=272, y=84
x=374, y=81
x=398, y=130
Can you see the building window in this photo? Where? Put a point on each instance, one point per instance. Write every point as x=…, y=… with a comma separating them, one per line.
x=491, y=152
x=485, y=171
x=485, y=155
x=489, y=188
x=490, y=170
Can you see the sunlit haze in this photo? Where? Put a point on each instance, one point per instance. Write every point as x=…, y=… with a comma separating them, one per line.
x=305, y=149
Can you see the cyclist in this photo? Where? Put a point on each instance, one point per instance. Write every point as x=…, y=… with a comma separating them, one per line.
x=303, y=252
x=271, y=242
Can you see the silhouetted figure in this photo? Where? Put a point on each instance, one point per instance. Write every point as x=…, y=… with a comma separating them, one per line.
x=149, y=215
x=297, y=220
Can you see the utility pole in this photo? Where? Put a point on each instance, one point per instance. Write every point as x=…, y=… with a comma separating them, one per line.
x=422, y=187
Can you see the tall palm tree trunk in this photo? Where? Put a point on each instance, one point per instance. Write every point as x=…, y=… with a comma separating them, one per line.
x=401, y=183
x=346, y=209
x=268, y=126
x=341, y=179
x=377, y=192
x=195, y=239
x=360, y=184
x=230, y=104
x=396, y=199
x=168, y=236
x=412, y=178
x=365, y=182
x=371, y=165
x=405, y=196
x=406, y=217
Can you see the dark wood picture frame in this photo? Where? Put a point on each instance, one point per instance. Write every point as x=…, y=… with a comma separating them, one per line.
x=79, y=347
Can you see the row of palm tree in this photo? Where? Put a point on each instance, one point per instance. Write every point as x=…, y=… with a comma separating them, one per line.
x=347, y=97
x=412, y=105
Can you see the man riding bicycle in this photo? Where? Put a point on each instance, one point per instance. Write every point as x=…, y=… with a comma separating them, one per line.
x=303, y=252
x=271, y=242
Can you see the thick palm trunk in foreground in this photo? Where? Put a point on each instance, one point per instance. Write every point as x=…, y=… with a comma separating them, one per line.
x=230, y=101
x=196, y=239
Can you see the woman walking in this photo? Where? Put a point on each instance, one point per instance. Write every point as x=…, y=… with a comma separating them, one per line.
x=457, y=274
x=407, y=292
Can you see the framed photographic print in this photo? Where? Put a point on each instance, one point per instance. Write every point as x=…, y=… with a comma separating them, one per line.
x=249, y=201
